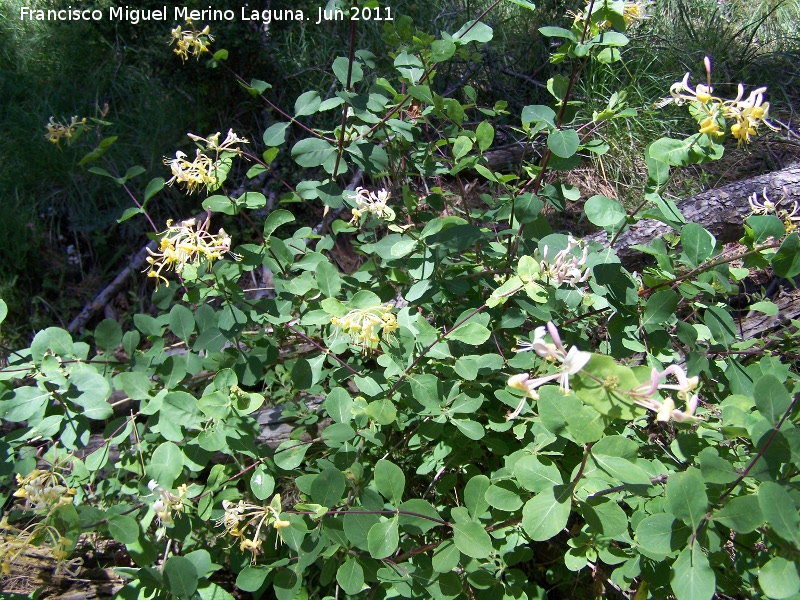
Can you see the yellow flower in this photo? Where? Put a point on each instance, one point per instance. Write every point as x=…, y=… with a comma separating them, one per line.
x=374, y=203
x=366, y=326
x=56, y=130
x=190, y=41
x=186, y=244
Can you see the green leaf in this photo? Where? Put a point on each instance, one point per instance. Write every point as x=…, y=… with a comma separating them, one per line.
x=166, y=464
x=155, y=186
x=484, y=134
x=383, y=538
x=720, y=322
x=3, y=310
x=624, y=470
x=659, y=309
x=563, y=142
x=390, y=481
x=742, y=514
x=181, y=322
x=547, y=513
x=340, y=67
x=290, y=454
x=350, y=576
x=692, y=577
x=442, y=50
x=765, y=227
x=603, y=211
x=328, y=280
x=672, y=152
x=180, y=576
x=772, y=399
x=470, y=429
x=780, y=511
x=686, y=496
x=275, y=134
x=250, y=579
x=275, y=219
x=475, y=496
x=418, y=525
x=307, y=104
x=471, y=539
x=558, y=85
x=714, y=468
x=258, y=85
x=504, y=496
x=537, y=474
x=603, y=399
x=786, y=262
x=328, y=487
x=471, y=333
x=558, y=32
x=338, y=404
x=473, y=31
x=124, y=529
x=538, y=113
x=698, y=244
x=660, y=535
x=312, y=152
x=779, y=579
x=383, y=411
x=107, y=335
x=262, y=483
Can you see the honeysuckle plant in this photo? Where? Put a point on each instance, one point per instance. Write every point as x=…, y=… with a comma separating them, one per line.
x=640, y=447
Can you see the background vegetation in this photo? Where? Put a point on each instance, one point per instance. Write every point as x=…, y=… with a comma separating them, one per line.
x=62, y=69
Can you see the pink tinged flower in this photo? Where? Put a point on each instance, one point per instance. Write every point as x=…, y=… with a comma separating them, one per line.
x=665, y=410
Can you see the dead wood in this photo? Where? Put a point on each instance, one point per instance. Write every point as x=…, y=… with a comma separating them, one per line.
x=722, y=211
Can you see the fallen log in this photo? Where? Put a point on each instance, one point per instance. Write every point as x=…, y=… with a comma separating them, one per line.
x=721, y=211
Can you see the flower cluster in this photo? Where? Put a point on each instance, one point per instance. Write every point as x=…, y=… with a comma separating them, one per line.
x=570, y=363
x=43, y=490
x=14, y=542
x=711, y=111
x=190, y=41
x=565, y=267
x=166, y=502
x=665, y=409
x=186, y=243
x=366, y=326
x=57, y=130
x=631, y=13
x=372, y=203
x=202, y=170
x=768, y=207
x=241, y=516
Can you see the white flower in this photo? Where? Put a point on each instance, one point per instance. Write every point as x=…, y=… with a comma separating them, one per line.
x=571, y=363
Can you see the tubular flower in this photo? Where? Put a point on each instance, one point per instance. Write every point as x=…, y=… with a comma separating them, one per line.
x=57, y=130
x=166, y=503
x=565, y=267
x=635, y=11
x=202, y=171
x=243, y=516
x=372, y=203
x=14, y=542
x=43, y=490
x=570, y=363
x=186, y=244
x=768, y=207
x=366, y=326
x=195, y=174
x=747, y=114
x=190, y=41
x=665, y=410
